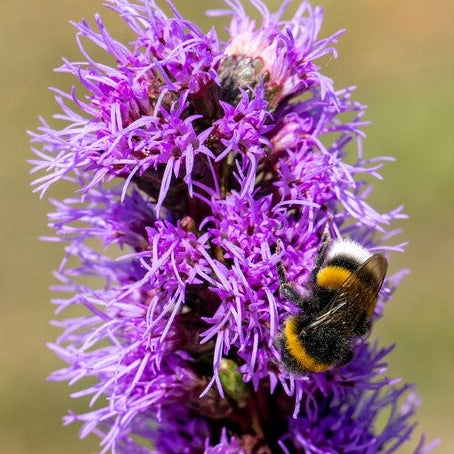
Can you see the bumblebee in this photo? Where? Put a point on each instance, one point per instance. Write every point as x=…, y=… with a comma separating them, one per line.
x=344, y=285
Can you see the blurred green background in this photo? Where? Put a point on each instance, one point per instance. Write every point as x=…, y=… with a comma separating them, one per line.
x=399, y=53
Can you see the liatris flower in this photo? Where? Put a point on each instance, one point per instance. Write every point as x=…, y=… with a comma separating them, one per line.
x=192, y=159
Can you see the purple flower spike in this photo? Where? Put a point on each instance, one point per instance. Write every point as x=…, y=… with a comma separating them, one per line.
x=199, y=166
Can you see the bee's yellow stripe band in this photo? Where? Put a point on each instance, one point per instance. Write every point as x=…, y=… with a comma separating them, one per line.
x=297, y=350
x=332, y=276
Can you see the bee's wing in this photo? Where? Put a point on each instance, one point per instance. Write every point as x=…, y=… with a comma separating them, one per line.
x=356, y=296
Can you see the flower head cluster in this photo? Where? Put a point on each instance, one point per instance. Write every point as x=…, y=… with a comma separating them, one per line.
x=193, y=158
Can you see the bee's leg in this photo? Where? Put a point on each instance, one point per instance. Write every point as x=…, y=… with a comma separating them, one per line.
x=325, y=240
x=290, y=292
x=281, y=273
x=289, y=289
x=321, y=254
